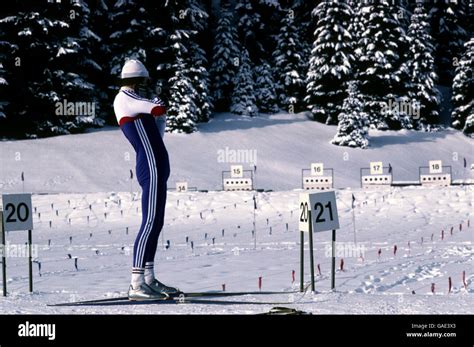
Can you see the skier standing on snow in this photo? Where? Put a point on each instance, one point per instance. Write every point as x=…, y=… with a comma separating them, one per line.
x=143, y=122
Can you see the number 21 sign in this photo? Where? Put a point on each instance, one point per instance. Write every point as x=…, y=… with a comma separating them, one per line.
x=323, y=211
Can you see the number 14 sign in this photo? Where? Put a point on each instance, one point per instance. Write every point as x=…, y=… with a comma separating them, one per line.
x=323, y=211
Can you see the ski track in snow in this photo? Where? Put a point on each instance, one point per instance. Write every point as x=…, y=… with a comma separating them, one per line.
x=369, y=285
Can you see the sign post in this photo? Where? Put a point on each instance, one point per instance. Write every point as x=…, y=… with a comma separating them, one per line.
x=4, y=264
x=311, y=257
x=318, y=212
x=301, y=261
x=30, y=260
x=333, y=262
x=304, y=227
x=17, y=215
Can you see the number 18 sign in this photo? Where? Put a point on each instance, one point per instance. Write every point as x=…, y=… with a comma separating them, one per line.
x=323, y=211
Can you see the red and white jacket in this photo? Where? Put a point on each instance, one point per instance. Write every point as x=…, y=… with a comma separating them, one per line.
x=128, y=105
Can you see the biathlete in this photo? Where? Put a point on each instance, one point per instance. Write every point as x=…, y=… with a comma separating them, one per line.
x=143, y=123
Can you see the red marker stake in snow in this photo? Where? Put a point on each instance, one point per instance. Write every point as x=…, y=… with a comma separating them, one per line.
x=450, y=284
x=464, y=279
x=293, y=276
x=342, y=264
x=432, y=288
x=260, y=283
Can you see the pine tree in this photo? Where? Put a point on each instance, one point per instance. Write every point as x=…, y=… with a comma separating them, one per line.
x=181, y=116
x=265, y=94
x=182, y=23
x=446, y=23
x=198, y=63
x=129, y=24
x=248, y=27
x=331, y=62
x=463, y=90
x=51, y=61
x=290, y=67
x=352, y=130
x=3, y=88
x=225, y=60
x=423, y=91
x=269, y=26
x=381, y=67
x=99, y=50
x=201, y=82
x=243, y=96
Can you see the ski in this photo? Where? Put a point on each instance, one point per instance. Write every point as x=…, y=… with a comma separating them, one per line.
x=182, y=296
x=178, y=301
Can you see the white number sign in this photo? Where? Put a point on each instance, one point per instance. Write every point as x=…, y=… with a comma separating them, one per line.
x=323, y=211
x=376, y=168
x=436, y=166
x=17, y=212
x=181, y=187
x=304, y=212
x=236, y=171
x=317, y=169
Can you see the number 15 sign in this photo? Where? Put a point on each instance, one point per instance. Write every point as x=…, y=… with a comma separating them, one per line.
x=323, y=211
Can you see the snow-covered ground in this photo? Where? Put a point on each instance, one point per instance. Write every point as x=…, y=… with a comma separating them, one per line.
x=86, y=176
x=100, y=161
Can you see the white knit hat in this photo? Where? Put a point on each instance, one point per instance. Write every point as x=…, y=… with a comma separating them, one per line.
x=134, y=68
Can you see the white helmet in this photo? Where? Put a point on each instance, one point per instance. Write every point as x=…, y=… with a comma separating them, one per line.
x=134, y=68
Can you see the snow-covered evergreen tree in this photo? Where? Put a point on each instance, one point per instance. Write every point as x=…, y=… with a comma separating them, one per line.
x=269, y=27
x=381, y=66
x=199, y=65
x=290, y=66
x=463, y=91
x=423, y=91
x=265, y=95
x=356, y=27
x=331, y=61
x=183, y=22
x=243, y=96
x=181, y=116
x=129, y=24
x=51, y=61
x=201, y=82
x=99, y=50
x=3, y=88
x=353, y=125
x=446, y=27
x=225, y=60
x=248, y=27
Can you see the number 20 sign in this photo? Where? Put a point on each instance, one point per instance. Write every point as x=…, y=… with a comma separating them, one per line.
x=17, y=214
x=323, y=211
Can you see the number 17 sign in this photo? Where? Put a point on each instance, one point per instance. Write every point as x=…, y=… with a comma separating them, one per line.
x=323, y=211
